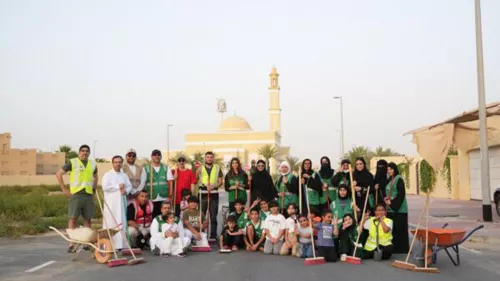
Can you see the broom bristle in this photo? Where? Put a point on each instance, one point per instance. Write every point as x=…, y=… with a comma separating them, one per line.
x=426, y=269
x=118, y=262
x=136, y=261
x=352, y=260
x=314, y=261
x=403, y=265
x=201, y=249
x=128, y=252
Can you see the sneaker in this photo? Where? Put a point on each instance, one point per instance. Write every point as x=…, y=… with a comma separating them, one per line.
x=156, y=251
x=181, y=255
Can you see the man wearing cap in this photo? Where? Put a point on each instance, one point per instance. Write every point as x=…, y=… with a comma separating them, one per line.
x=158, y=181
x=134, y=173
x=186, y=180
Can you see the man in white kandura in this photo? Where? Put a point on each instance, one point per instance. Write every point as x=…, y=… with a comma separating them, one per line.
x=116, y=185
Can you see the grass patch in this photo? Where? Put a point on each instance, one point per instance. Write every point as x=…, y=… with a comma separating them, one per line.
x=29, y=210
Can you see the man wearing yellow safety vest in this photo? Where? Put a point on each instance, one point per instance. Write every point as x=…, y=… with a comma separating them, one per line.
x=210, y=179
x=82, y=183
x=159, y=181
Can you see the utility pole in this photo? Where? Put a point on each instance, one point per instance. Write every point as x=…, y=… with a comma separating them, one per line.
x=168, y=141
x=341, y=125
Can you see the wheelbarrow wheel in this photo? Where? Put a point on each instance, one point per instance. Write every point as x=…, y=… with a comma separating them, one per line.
x=103, y=244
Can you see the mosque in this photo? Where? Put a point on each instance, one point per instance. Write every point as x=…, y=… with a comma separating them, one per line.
x=235, y=137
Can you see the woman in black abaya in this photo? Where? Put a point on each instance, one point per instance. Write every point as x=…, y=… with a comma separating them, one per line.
x=262, y=184
x=362, y=179
x=397, y=209
x=381, y=182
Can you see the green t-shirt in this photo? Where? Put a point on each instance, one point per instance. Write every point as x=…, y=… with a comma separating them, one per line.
x=193, y=217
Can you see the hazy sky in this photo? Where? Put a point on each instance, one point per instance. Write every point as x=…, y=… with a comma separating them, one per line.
x=119, y=71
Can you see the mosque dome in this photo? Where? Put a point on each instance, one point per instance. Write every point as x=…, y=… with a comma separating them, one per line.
x=234, y=123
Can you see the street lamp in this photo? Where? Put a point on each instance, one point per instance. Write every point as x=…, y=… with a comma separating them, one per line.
x=340, y=145
x=483, y=141
x=341, y=125
x=168, y=141
x=93, y=149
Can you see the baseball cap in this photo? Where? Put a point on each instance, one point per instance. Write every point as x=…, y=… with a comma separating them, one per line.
x=130, y=151
x=156, y=151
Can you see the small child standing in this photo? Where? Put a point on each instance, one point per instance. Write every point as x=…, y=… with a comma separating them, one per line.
x=305, y=236
x=231, y=236
x=186, y=193
x=290, y=231
x=274, y=226
x=326, y=233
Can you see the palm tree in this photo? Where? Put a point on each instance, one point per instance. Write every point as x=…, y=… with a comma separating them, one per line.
x=68, y=151
x=173, y=160
x=101, y=160
x=384, y=152
x=360, y=151
x=294, y=163
x=267, y=151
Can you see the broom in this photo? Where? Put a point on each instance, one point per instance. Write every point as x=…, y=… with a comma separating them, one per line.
x=314, y=260
x=116, y=261
x=353, y=194
x=426, y=268
x=405, y=264
x=135, y=260
x=124, y=252
x=300, y=192
x=353, y=259
x=209, y=232
x=197, y=248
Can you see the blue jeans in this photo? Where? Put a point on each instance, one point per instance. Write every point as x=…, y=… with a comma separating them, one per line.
x=307, y=250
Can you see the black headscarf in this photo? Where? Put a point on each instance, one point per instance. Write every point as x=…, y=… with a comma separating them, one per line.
x=347, y=195
x=394, y=167
x=381, y=174
x=326, y=170
x=262, y=184
x=304, y=171
x=345, y=161
x=364, y=178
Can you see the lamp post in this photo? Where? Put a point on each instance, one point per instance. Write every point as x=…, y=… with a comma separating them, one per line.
x=341, y=125
x=340, y=145
x=483, y=141
x=168, y=141
x=93, y=149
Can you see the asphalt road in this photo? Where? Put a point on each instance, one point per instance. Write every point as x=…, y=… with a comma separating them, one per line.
x=29, y=254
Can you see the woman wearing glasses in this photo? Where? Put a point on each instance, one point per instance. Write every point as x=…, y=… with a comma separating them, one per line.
x=262, y=184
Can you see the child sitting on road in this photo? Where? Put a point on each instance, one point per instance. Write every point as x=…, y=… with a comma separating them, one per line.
x=194, y=223
x=305, y=236
x=290, y=232
x=348, y=234
x=326, y=233
x=231, y=237
x=168, y=240
x=274, y=226
x=186, y=193
x=254, y=238
x=158, y=235
x=383, y=225
x=239, y=213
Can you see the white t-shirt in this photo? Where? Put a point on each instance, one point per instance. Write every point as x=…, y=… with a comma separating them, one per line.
x=368, y=223
x=290, y=224
x=304, y=230
x=172, y=227
x=275, y=223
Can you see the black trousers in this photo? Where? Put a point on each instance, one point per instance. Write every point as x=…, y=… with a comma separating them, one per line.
x=232, y=240
x=214, y=210
x=156, y=209
x=329, y=253
x=386, y=252
x=177, y=210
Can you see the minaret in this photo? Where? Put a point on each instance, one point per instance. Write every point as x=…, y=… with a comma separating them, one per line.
x=274, y=104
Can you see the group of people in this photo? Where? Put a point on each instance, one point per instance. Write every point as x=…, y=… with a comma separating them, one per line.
x=171, y=211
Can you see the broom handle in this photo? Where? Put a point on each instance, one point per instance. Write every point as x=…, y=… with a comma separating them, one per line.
x=353, y=195
x=427, y=229
x=300, y=192
x=208, y=210
x=283, y=197
x=362, y=219
x=105, y=222
x=416, y=229
x=310, y=223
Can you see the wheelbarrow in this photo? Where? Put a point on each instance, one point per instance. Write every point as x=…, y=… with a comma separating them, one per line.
x=444, y=239
x=99, y=242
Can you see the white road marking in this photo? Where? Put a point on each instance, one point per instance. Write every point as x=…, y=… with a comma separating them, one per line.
x=40, y=266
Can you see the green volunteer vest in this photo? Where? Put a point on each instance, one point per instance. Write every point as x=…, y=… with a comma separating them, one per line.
x=257, y=228
x=344, y=179
x=339, y=211
x=404, y=206
x=384, y=239
x=262, y=215
x=242, y=193
x=242, y=220
x=81, y=177
x=289, y=197
x=332, y=191
x=312, y=195
x=160, y=182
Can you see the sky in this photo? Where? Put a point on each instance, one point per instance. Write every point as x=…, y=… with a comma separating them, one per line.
x=116, y=72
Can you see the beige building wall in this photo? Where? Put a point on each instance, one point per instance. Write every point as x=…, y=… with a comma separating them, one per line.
x=48, y=163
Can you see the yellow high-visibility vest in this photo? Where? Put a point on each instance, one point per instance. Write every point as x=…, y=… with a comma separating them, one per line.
x=214, y=177
x=81, y=177
x=384, y=239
